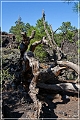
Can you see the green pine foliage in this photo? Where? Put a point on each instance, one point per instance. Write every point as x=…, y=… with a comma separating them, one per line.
x=67, y=32
x=66, y=28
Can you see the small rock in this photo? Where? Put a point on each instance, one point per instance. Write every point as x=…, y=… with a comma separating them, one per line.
x=64, y=113
x=75, y=116
x=67, y=97
x=60, y=112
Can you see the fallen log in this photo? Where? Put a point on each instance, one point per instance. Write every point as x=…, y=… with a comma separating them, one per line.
x=67, y=87
x=69, y=64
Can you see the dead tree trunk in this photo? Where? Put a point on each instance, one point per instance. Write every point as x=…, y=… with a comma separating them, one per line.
x=47, y=31
x=38, y=81
x=33, y=89
x=57, y=52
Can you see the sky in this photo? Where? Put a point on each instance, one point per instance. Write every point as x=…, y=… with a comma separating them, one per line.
x=30, y=11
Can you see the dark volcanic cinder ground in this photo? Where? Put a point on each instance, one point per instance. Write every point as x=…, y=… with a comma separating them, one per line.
x=17, y=104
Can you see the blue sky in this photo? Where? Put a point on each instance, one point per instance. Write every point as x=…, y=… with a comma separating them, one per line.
x=30, y=12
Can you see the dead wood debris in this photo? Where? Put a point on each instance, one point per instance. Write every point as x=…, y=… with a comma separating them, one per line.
x=41, y=75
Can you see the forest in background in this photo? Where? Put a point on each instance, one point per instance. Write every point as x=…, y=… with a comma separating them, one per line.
x=65, y=32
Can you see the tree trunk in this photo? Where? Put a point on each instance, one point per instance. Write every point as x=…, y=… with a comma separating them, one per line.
x=34, y=90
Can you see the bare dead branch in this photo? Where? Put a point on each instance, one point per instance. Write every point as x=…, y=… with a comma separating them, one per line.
x=47, y=32
x=69, y=64
x=53, y=35
x=34, y=45
x=32, y=34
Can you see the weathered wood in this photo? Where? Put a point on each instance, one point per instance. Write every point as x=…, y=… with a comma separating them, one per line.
x=53, y=44
x=57, y=69
x=32, y=34
x=36, y=43
x=53, y=35
x=47, y=32
x=71, y=65
x=39, y=79
x=34, y=90
x=68, y=87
